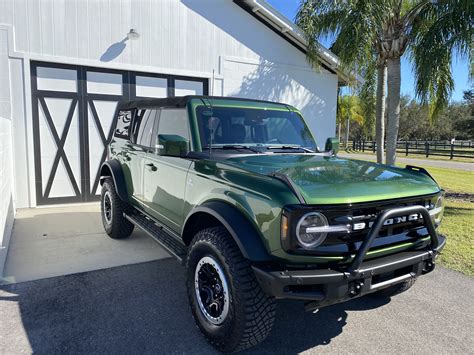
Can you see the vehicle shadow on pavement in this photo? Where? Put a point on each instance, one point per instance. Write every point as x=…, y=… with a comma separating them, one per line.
x=295, y=330
x=140, y=308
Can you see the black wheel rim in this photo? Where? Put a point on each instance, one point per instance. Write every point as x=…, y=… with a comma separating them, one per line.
x=212, y=291
x=107, y=207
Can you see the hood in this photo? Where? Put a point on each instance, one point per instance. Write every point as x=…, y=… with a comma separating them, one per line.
x=331, y=180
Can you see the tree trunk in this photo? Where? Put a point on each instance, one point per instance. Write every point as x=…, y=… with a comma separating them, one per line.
x=380, y=111
x=393, y=108
x=338, y=113
x=347, y=133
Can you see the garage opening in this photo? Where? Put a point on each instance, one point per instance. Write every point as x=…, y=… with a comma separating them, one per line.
x=73, y=115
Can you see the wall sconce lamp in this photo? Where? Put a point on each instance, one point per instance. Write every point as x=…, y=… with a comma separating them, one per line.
x=133, y=34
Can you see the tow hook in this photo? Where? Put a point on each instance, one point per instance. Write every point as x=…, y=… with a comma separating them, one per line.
x=355, y=287
x=312, y=307
x=428, y=266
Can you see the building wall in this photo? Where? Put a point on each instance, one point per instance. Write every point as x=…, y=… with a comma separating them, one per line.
x=213, y=39
x=6, y=161
x=180, y=34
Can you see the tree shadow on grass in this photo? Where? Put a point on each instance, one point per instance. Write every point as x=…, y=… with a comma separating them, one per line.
x=455, y=210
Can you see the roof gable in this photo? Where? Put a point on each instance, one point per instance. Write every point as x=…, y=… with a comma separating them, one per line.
x=289, y=31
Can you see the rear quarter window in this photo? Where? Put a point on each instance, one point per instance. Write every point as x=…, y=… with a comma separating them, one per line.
x=124, y=121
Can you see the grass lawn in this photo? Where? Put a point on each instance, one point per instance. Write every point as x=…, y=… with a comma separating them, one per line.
x=458, y=221
x=453, y=180
x=458, y=226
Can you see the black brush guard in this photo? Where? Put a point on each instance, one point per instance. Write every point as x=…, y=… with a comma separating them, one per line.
x=328, y=286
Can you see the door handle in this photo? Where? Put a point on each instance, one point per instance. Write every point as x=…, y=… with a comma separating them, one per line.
x=152, y=166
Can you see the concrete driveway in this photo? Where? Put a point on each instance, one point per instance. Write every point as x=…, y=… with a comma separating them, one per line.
x=143, y=308
x=61, y=240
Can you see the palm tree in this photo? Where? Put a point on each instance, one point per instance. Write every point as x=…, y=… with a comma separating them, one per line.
x=378, y=33
x=349, y=109
x=352, y=25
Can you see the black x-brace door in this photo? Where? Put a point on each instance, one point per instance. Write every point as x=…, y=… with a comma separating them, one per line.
x=70, y=142
x=59, y=141
x=51, y=131
x=94, y=119
x=49, y=144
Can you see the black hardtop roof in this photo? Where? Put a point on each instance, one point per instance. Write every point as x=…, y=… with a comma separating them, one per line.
x=180, y=101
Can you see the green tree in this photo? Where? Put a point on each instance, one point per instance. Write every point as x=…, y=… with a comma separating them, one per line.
x=454, y=121
x=349, y=110
x=370, y=34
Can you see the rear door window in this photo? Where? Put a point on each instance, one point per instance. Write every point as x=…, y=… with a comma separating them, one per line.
x=143, y=125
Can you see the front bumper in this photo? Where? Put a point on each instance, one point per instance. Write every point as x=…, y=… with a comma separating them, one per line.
x=328, y=286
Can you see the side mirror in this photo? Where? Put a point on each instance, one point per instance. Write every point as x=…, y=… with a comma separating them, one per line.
x=172, y=145
x=332, y=145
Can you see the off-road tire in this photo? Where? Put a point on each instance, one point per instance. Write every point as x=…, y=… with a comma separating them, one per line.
x=251, y=312
x=119, y=227
x=395, y=289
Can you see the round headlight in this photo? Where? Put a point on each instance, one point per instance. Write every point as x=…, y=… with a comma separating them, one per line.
x=439, y=210
x=306, y=237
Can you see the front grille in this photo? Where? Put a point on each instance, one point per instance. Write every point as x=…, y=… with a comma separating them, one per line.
x=365, y=214
x=343, y=243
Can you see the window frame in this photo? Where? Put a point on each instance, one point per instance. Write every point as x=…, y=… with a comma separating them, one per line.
x=197, y=107
x=157, y=125
x=122, y=136
x=150, y=147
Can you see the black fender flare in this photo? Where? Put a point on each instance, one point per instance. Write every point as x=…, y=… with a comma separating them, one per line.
x=240, y=228
x=113, y=168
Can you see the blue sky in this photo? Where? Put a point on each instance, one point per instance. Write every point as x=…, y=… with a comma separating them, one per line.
x=460, y=66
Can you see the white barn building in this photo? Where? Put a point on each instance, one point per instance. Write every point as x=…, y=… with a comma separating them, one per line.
x=64, y=65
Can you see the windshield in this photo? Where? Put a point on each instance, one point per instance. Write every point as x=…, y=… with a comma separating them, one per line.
x=220, y=126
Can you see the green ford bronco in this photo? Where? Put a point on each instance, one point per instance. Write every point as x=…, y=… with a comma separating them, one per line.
x=239, y=192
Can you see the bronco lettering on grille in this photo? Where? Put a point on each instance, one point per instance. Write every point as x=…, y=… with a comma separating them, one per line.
x=388, y=222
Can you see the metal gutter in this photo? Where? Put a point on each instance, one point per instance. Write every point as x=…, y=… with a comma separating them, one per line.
x=272, y=18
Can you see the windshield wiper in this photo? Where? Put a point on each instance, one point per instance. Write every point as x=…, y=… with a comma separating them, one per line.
x=290, y=147
x=233, y=146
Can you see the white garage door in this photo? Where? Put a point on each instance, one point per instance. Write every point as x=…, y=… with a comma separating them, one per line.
x=73, y=113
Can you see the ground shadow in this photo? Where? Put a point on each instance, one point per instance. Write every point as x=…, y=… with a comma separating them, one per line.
x=296, y=330
x=144, y=308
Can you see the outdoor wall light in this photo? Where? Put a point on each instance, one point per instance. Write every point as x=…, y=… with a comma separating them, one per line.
x=132, y=35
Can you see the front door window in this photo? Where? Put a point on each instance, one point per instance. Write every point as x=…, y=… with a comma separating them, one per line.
x=165, y=184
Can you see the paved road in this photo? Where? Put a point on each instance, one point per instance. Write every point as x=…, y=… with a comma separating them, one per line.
x=414, y=161
x=143, y=308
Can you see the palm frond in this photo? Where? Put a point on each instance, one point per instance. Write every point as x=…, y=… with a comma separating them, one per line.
x=353, y=24
x=442, y=29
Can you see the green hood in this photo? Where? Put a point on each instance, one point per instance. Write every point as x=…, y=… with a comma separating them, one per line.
x=324, y=180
